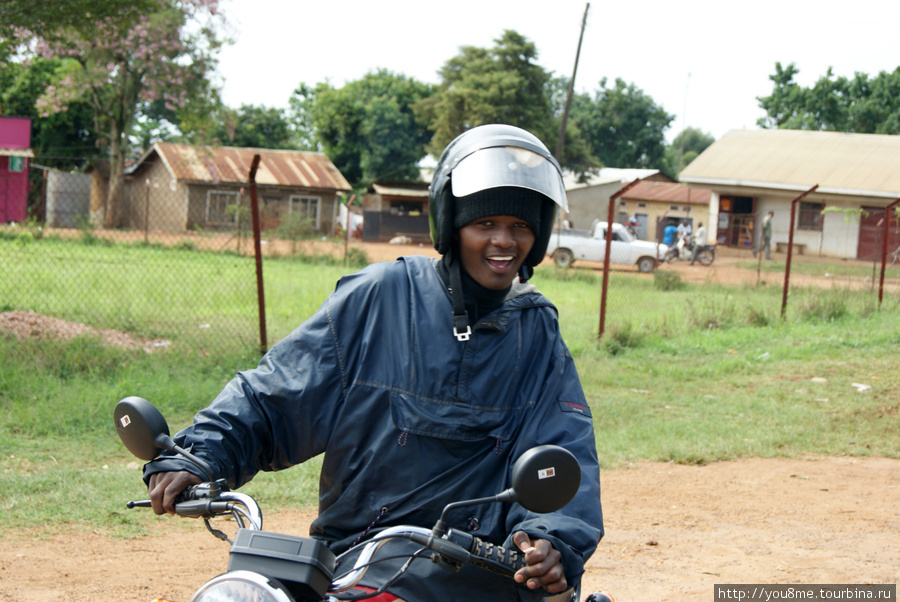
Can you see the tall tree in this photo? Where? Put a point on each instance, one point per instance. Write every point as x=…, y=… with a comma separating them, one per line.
x=64, y=140
x=255, y=126
x=45, y=18
x=118, y=63
x=367, y=127
x=300, y=114
x=834, y=103
x=502, y=84
x=684, y=149
x=624, y=127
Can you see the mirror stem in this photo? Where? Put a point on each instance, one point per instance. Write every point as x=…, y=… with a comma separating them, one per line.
x=440, y=527
x=163, y=441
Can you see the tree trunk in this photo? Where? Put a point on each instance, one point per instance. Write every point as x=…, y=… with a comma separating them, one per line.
x=116, y=183
x=99, y=189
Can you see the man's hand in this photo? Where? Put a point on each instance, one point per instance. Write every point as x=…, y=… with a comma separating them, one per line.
x=164, y=487
x=544, y=568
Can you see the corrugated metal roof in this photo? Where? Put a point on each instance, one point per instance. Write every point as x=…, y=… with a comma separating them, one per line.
x=857, y=164
x=400, y=190
x=667, y=192
x=606, y=175
x=232, y=165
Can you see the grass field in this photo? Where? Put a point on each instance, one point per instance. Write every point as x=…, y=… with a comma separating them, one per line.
x=699, y=374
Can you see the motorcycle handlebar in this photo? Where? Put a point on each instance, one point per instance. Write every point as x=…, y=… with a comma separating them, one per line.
x=487, y=555
x=455, y=549
x=195, y=502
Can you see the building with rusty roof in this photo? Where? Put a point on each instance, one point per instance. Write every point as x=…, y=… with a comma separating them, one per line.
x=181, y=187
x=855, y=176
x=589, y=196
x=656, y=204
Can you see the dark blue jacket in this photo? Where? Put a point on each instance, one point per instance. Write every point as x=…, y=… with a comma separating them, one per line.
x=409, y=418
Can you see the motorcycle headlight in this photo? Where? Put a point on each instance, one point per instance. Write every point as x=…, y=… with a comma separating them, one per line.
x=242, y=586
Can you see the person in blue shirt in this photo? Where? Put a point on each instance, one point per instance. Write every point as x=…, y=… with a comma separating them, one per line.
x=669, y=234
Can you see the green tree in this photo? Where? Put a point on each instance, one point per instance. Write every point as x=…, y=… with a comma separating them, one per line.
x=116, y=64
x=684, y=149
x=46, y=18
x=367, y=127
x=502, y=84
x=624, y=127
x=577, y=155
x=301, y=105
x=64, y=140
x=840, y=104
x=254, y=126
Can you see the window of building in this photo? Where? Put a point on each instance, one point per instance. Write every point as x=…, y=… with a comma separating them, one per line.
x=220, y=207
x=306, y=208
x=810, y=216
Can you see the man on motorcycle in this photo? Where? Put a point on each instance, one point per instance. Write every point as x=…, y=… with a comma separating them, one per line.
x=421, y=381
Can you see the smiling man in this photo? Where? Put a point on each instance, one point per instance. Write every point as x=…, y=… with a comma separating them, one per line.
x=422, y=381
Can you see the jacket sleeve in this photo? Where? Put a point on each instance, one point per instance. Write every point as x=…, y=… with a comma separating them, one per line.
x=562, y=417
x=274, y=416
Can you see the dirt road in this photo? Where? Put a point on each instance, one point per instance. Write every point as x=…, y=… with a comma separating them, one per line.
x=673, y=532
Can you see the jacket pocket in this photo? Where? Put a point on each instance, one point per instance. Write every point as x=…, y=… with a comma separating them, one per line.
x=452, y=420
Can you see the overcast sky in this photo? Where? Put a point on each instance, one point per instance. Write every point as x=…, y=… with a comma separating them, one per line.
x=705, y=62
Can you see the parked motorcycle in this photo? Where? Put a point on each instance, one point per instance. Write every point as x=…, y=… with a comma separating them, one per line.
x=275, y=567
x=705, y=254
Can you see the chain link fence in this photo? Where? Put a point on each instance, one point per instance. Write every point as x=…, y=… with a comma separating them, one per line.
x=166, y=283
x=159, y=284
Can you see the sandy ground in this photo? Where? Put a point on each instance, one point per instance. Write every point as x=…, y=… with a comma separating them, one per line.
x=673, y=531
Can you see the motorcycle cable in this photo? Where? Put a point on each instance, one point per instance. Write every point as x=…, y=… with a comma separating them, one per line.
x=389, y=582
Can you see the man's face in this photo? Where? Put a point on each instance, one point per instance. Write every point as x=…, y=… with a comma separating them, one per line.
x=492, y=249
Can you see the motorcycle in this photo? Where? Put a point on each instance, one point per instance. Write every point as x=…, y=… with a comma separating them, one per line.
x=274, y=567
x=705, y=254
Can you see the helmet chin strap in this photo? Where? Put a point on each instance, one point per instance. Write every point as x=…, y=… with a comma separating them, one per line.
x=525, y=273
x=461, y=328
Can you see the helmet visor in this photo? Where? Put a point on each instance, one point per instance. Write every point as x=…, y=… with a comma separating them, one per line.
x=501, y=166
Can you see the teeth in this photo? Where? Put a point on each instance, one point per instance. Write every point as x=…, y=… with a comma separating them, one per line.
x=503, y=258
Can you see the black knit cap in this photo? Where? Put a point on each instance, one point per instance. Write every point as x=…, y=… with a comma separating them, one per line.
x=522, y=203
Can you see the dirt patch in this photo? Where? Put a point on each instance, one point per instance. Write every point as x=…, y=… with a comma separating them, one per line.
x=673, y=532
x=28, y=324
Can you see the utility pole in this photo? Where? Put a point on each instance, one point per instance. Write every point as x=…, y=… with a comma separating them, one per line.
x=565, y=118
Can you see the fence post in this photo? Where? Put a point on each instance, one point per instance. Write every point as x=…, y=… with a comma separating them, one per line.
x=884, y=247
x=609, y=228
x=257, y=251
x=787, y=266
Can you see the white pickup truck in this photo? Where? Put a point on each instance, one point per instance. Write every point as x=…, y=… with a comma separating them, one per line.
x=569, y=245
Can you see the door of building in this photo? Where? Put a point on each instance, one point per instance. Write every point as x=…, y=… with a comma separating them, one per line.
x=871, y=234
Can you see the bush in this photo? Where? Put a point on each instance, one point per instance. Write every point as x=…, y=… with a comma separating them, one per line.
x=668, y=281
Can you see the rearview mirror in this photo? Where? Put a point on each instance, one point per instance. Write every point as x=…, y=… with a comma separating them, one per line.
x=545, y=478
x=141, y=427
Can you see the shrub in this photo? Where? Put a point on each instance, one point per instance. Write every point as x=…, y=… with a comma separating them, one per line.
x=668, y=281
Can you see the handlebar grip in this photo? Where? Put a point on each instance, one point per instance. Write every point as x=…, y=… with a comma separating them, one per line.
x=190, y=493
x=495, y=558
x=202, y=508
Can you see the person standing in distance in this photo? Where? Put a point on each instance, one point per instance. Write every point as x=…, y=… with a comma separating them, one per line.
x=765, y=241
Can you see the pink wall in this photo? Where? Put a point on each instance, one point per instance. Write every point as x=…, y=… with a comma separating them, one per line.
x=15, y=132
